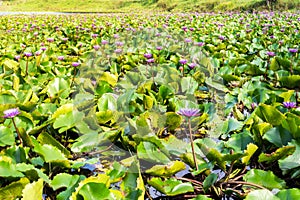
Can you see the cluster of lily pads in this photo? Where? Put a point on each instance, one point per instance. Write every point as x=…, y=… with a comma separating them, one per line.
x=132, y=106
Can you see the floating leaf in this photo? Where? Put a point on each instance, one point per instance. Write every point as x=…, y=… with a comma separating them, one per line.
x=171, y=187
x=292, y=124
x=292, y=161
x=86, y=142
x=11, y=64
x=166, y=170
x=289, y=194
x=188, y=85
x=45, y=138
x=117, y=172
x=33, y=190
x=109, y=78
x=150, y=152
x=64, y=180
x=209, y=181
x=64, y=109
x=173, y=120
x=239, y=141
x=213, y=155
x=133, y=184
x=261, y=195
x=266, y=179
x=8, y=169
x=291, y=81
x=91, y=191
x=67, y=121
x=278, y=136
x=251, y=149
x=7, y=137
x=202, y=197
x=89, y=188
x=107, y=102
x=232, y=125
x=58, y=86
x=48, y=152
x=279, y=154
x=269, y=114
x=13, y=190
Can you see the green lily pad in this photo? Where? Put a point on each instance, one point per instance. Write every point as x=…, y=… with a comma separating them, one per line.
x=166, y=170
x=269, y=114
x=171, y=187
x=279, y=154
x=150, y=152
x=8, y=169
x=33, y=190
x=7, y=136
x=266, y=179
x=13, y=190
x=289, y=194
x=261, y=195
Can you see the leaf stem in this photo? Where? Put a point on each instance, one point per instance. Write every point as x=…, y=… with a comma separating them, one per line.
x=247, y=183
x=192, y=143
x=19, y=136
x=73, y=77
x=26, y=72
x=190, y=180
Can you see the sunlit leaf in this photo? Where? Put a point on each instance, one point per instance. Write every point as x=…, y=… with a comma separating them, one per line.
x=289, y=194
x=251, y=149
x=33, y=190
x=171, y=187
x=292, y=161
x=150, y=152
x=261, y=195
x=45, y=138
x=48, y=152
x=201, y=197
x=166, y=170
x=266, y=179
x=6, y=136
x=13, y=190
x=279, y=154
x=269, y=114
x=8, y=169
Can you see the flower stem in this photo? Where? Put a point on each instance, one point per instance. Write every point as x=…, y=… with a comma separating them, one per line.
x=19, y=136
x=152, y=73
x=291, y=69
x=26, y=72
x=192, y=143
x=73, y=77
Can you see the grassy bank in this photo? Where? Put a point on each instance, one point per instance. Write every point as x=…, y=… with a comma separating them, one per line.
x=140, y=5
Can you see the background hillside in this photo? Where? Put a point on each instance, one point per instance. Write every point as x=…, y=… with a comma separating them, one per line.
x=141, y=5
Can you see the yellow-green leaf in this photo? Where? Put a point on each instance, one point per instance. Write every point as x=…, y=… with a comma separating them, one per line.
x=33, y=190
x=251, y=148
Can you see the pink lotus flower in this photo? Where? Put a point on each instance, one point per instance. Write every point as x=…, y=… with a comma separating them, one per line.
x=189, y=112
x=183, y=61
x=148, y=55
x=75, y=64
x=289, y=104
x=11, y=113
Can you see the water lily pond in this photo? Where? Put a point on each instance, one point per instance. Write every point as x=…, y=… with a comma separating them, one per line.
x=133, y=106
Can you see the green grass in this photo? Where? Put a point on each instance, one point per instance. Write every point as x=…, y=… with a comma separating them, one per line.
x=142, y=5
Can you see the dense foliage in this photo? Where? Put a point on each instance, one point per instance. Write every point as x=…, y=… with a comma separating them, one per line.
x=130, y=6
x=105, y=106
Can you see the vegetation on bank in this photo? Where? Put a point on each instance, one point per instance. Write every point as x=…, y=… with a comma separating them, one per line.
x=140, y=5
